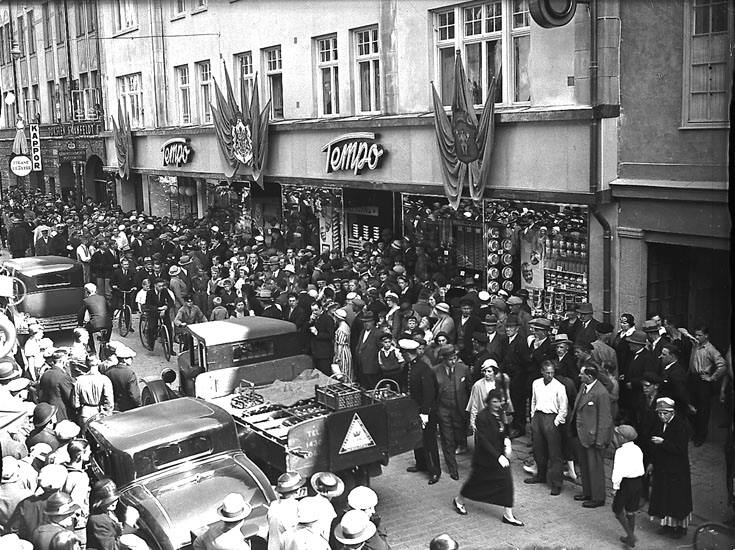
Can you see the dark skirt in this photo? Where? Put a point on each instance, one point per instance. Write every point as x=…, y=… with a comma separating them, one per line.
x=491, y=485
x=628, y=496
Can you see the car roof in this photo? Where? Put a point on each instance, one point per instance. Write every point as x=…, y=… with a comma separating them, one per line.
x=159, y=423
x=40, y=264
x=236, y=330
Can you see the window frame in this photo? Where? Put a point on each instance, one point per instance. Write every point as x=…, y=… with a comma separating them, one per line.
x=270, y=74
x=199, y=6
x=376, y=97
x=177, y=13
x=506, y=35
x=332, y=66
x=204, y=110
x=688, y=35
x=46, y=25
x=59, y=22
x=20, y=29
x=80, y=18
x=180, y=88
x=124, y=92
x=245, y=79
x=128, y=10
x=31, y=31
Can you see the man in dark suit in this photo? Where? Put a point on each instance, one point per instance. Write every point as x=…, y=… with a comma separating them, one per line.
x=123, y=280
x=674, y=378
x=102, y=266
x=540, y=346
x=496, y=342
x=587, y=332
x=95, y=306
x=454, y=384
x=158, y=302
x=43, y=243
x=516, y=364
x=466, y=325
x=56, y=386
x=566, y=363
x=422, y=387
x=322, y=330
x=366, y=352
x=297, y=315
x=592, y=419
x=655, y=340
x=125, y=385
x=571, y=325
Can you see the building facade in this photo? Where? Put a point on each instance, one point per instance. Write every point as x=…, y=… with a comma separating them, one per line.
x=51, y=75
x=674, y=225
x=356, y=76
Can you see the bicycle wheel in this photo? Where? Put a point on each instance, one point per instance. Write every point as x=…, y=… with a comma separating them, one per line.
x=143, y=332
x=123, y=321
x=165, y=341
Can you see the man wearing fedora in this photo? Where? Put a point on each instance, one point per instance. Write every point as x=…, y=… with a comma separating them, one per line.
x=516, y=363
x=588, y=324
x=283, y=513
x=566, y=363
x=366, y=351
x=496, y=342
x=466, y=324
x=322, y=328
x=12, y=489
x=355, y=530
x=327, y=487
x=228, y=532
x=28, y=514
x=540, y=345
x=61, y=513
x=178, y=286
x=55, y=386
x=270, y=309
x=125, y=387
x=642, y=362
x=307, y=534
x=453, y=391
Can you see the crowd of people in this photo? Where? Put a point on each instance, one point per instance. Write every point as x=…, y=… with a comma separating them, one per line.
x=476, y=364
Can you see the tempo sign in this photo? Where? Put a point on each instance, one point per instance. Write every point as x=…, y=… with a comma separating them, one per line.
x=21, y=165
x=353, y=151
x=177, y=151
x=35, y=147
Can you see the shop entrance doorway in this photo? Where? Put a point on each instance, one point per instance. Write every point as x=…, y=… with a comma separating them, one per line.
x=691, y=286
x=67, y=181
x=266, y=208
x=371, y=216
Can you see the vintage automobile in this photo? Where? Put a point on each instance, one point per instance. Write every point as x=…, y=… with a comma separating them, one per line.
x=288, y=417
x=54, y=290
x=174, y=462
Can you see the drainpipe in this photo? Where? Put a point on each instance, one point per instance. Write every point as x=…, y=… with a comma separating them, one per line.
x=595, y=140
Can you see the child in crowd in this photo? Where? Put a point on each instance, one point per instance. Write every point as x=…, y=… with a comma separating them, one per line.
x=627, y=479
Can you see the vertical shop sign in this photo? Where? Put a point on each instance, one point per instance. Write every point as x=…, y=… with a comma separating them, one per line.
x=35, y=148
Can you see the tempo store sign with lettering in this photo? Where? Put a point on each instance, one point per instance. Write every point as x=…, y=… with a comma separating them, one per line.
x=177, y=152
x=35, y=147
x=355, y=151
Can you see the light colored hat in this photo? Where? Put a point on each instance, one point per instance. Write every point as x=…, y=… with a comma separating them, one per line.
x=514, y=301
x=11, y=469
x=40, y=451
x=408, y=344
x=340, y=314
x=124, y=352
x=174, y=270
x=351, y=296
x=327, y=484
x=354, y=528
x=489, y=364
x=664, y=404
x=14, y=542
x=289, y=482
x=17, y=384
x=442, y=306
x=541, y=322
x=234, y=508
x=66, y=430
x=51, y=478
x=362, y=498
x=484, y=296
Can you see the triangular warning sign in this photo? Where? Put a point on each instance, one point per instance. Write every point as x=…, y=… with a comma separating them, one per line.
x=357, y=437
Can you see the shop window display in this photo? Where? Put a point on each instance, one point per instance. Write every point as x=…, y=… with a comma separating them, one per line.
x=505, y=245
x=313, y=216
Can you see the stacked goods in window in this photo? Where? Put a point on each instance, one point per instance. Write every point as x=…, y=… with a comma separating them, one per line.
x=502, y=268
x=565, y=272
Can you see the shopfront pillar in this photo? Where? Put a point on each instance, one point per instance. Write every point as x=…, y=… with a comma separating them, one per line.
x=632, y=273
x=201, y=196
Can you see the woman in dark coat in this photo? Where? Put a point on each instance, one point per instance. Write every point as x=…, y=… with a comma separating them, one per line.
x=671, y=488
x=491, y=480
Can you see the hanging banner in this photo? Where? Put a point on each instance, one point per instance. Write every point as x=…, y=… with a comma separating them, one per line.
x=465, y=145
x=35, y=147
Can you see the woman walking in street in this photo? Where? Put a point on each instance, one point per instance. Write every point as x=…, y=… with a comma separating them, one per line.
x=671, y=488
x=342, y=353
x=491, y=480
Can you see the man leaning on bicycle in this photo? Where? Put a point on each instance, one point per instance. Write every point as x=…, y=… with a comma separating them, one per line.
x=159, y=305
x=123, y=281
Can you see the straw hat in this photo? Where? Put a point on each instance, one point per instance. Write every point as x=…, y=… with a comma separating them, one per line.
x=354, y=528
x=234, y=508
x=327, y=484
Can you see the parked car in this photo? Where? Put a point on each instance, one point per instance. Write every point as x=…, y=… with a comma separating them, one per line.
x=54, y=290
x=174, y=462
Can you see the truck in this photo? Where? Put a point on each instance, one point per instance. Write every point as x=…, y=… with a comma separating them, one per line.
x=289, y=417
x=174, y=462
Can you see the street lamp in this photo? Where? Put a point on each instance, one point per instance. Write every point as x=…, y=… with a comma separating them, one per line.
x=16, y=54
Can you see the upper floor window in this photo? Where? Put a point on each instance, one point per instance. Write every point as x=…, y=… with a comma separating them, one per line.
x=245, y=76
x=21, y=30
x=125, y=15
x=130, y=92
x=204, y=74
x=178, y=8
x=80, y=19
x=274, y=75
x=708, y=41
x=46, y=22
x=328, y=75
x=199, y=5
x=31, y=32
x=367, y=59
x=184, y=93
x=490, y=35
x=60, y=20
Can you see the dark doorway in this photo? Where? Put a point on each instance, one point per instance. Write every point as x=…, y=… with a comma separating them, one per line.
x=136, y=180
x=67, y=179
x=691, y=286
x=95, y=181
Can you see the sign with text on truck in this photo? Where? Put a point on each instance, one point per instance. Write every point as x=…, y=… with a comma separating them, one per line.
x=252, y=367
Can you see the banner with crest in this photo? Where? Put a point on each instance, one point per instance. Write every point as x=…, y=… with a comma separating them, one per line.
x=123, y=138
x=242, y=133
x=465, y=144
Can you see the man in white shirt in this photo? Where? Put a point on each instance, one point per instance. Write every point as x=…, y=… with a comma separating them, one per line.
x=548, y=414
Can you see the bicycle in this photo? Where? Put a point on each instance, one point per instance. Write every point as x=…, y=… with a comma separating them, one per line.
x=125, y=313
x=162, y=333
